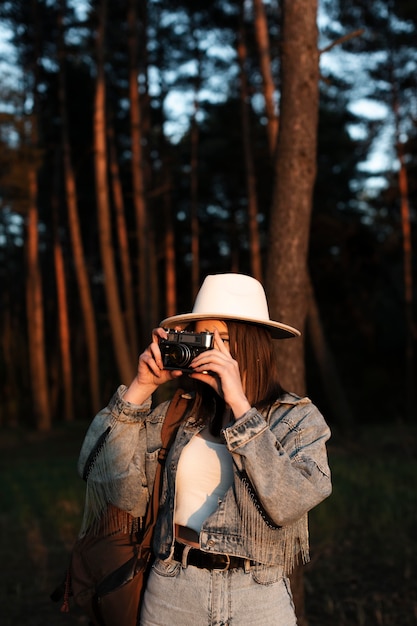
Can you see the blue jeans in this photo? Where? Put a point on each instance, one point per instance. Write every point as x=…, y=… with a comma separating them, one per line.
x=199, y=597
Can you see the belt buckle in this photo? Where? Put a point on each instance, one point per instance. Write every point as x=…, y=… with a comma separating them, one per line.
x=227, y=565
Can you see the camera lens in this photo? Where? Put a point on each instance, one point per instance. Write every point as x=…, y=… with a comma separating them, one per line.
x=179, y=355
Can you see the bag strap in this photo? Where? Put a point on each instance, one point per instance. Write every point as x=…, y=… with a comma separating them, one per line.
x=175, y=414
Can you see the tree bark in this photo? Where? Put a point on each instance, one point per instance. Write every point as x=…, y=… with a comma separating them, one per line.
x=35, y=304
x=81, y=272
x=63, y=318
x=123, y=356
x=408, y=280
x=138, y=174
x=194, y=173
x=35, y=312
x=295, y=171
x=262, y=41
x=195, y=228
x=254, y=243
x=169, y=246
x=123, y=239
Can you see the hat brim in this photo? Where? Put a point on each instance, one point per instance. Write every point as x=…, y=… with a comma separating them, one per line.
x=277, y=329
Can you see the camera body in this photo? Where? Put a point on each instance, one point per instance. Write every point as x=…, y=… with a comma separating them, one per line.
x=181, y=347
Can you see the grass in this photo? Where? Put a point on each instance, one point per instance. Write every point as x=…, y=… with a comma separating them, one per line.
x=41, y=505
x=364, y=549
x=363, y=544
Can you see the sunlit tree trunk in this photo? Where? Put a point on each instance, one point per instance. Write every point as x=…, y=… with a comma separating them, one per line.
x=35, y=307
x=295, y=171
x=254, y=243
x=84, y=289
x=169, y=246
x=195, y=228
x=123, y=239
x=262, y=40
x=153, y=279
x=35, y=304
x=138, y=173
x=123, y=356
x=407, y=271
x=63, y=320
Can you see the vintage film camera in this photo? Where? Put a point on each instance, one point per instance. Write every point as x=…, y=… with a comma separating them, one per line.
x=180, y=348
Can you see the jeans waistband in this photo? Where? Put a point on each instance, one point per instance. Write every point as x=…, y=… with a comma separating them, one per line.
x=187, y=555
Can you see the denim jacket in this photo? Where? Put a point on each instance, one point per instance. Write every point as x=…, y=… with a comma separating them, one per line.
x=280, y=472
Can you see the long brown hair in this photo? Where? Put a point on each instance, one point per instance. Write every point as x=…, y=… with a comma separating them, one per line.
x=253, y=349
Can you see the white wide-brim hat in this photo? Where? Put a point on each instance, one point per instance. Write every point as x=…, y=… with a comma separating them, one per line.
x=232, y=297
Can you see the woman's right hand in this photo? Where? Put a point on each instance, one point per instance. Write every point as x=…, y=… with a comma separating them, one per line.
x=150, y=373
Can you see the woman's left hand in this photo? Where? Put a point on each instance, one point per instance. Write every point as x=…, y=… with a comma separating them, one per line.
x=218, y=369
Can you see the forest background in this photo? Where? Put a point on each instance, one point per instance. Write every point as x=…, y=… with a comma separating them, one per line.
x=185, y=108
x=145, y=144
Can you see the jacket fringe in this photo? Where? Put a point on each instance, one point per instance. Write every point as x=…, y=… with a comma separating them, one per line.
x=100, y=516
x=263, y=535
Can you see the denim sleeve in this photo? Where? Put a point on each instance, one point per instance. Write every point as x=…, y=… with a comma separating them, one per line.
x=284, y=456
x=119, y=466
x=123, y=420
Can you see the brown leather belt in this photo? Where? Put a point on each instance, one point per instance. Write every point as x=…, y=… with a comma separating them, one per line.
x=205, y=560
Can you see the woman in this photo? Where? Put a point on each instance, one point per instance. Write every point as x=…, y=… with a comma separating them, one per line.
x=249, y=461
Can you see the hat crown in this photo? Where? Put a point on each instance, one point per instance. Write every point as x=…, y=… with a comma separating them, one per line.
x=232, y=295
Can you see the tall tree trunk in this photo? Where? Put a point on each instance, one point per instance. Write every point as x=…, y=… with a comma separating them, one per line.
x=169, y=246
x=35, y=308
x=138, y=173
x=194, y=164
x=195, y=228
x=84, y=288
x=262, y=41
x=63, y=321
x=254, y=243
x=153, y=279
x=410, y=331
x=35, y=305
x=295, y=171
x=334, y=390
x=122, y=235
x=123, y=356
x=407, y=271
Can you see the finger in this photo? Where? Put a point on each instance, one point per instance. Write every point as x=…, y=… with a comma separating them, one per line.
x=156, y=354
x=209, y=360
x=159, y=333
x=151, y=363
x=219, y=343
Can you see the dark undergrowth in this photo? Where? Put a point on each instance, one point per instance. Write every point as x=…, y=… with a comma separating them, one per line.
x=363, y=538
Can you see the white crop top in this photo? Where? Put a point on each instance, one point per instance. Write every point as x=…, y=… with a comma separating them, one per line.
x=204, y=474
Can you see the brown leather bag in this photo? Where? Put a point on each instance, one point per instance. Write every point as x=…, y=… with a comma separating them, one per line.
x=108, y=571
